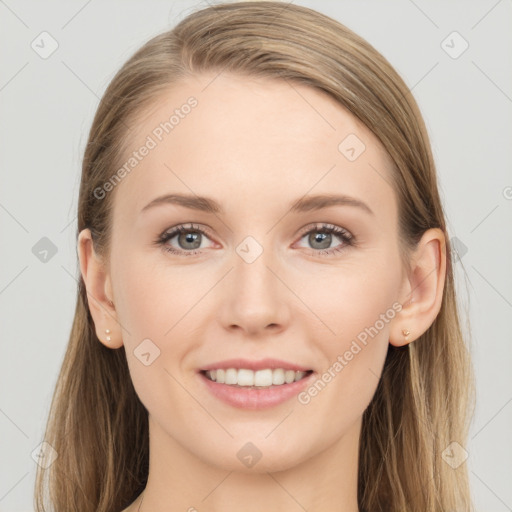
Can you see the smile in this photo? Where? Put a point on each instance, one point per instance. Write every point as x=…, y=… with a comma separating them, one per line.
x=256, y=391
x=265, y=378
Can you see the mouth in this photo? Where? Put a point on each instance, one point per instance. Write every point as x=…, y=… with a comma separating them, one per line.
x=253, y=384
x=250, y=379
x=259, y=389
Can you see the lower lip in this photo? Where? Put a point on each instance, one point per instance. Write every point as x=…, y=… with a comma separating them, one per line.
x=247, y=398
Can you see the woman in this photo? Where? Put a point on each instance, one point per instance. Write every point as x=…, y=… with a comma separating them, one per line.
x=266, y=317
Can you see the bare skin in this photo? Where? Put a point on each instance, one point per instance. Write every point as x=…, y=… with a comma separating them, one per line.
x=255, y=147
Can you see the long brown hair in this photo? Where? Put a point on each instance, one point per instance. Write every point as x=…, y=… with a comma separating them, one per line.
x=424, y=399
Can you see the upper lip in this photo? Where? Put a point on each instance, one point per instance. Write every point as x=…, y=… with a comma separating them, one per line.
x=261, y=364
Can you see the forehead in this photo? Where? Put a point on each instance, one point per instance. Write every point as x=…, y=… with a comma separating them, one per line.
x=248, y=141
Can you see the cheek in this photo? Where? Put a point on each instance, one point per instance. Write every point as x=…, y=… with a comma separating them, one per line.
x=155, y=296
x=158, y=309
x=350, y=299
x=356, y=306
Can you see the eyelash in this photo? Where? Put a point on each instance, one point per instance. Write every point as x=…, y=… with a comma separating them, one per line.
x=347, y=238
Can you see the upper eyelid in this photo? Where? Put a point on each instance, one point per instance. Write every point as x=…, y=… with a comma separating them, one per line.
x=326, y=226
x=185, y=227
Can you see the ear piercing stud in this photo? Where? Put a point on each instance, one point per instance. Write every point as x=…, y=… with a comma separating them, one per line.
x=108, y=332
x=405, y=332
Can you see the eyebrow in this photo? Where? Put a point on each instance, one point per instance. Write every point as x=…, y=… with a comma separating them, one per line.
x=304, y=204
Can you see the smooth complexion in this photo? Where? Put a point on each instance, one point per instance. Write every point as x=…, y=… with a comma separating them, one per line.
x=256, y=147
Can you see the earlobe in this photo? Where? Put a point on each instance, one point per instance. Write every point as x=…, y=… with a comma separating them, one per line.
x=98, y=286
x=424, y=285
x=401, y=324
x=406, y=333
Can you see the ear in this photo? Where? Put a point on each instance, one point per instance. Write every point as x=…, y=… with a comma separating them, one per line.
x=422, y=289
x=99, y=292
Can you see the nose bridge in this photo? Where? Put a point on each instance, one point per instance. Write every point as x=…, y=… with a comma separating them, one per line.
x=251, y=271
x=255, y=294
x=253, y=280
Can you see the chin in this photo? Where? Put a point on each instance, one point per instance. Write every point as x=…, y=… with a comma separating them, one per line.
x=260, y=457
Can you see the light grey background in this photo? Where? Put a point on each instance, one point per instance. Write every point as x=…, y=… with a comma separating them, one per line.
x=46, y=111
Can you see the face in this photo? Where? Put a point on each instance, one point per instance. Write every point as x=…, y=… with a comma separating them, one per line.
x=269, y=273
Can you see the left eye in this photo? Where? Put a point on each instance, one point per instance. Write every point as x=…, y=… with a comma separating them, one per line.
x=321, y=236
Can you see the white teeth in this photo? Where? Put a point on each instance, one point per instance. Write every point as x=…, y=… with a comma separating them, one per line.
x=231, y=374
x=246, y=378
x=289, y=376
x=249, y=378
x=278, y=377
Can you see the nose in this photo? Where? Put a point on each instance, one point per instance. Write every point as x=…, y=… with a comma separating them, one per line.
x=254, y=299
